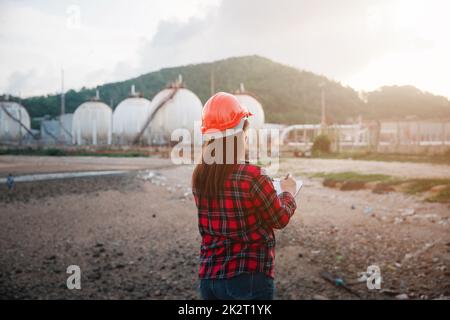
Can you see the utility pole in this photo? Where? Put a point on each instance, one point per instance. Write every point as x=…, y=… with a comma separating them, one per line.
x=323, y=122
x=212, y=80
x=63, y=101
x=63, y=108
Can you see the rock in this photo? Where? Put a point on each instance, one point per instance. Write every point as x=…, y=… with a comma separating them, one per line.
x=438, y=189
x=382, y=188
x=442, y=297
x=95, y=276
x=329, y=183
x=352, y=185
x=319, y=297
x=407, y=212
x=389, y=292
x=370, y=185
x=368, y=210
x=398, y=220
x=402, y=296
x=408, y=256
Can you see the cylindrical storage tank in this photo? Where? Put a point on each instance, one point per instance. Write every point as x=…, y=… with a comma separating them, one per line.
x=129, y=118
x=92, y=124
x=14, y=122
x=66, y=121
x=253, y=105
x=176, y=108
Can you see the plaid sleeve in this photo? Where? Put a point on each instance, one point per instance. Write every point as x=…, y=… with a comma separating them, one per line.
x=275, y=210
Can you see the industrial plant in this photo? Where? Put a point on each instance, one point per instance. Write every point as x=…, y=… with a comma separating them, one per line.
x=137, y=121
x=134, y=121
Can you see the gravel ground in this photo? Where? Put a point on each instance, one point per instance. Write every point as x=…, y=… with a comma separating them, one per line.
x=135, y=236
x=396, y=169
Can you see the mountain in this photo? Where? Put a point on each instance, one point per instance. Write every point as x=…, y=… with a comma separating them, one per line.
x=398, y=102
x=287, y=94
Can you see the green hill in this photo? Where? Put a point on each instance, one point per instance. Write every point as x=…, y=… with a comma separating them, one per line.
x=398, y=102
x=287, y=94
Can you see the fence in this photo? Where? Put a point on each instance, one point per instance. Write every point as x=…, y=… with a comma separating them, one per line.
x=387, y=137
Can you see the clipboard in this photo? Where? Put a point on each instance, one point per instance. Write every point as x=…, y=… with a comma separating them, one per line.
x=277, y=185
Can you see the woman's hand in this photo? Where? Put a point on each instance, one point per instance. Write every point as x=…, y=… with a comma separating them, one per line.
x=289, y=184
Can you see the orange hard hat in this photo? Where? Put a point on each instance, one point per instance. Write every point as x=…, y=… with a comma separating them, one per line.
x=221, y=112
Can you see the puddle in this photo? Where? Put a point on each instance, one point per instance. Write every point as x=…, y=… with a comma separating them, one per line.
x=62, y=175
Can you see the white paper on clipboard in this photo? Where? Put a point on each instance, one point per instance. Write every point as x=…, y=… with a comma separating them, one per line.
x=277, y=186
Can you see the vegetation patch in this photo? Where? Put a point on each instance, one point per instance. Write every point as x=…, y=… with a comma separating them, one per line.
x=321, y=145
x=432, y=190
x=353, y=176
x=374, y=156
x=57, y=152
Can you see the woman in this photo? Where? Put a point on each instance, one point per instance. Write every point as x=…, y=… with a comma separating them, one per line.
x=238, y=208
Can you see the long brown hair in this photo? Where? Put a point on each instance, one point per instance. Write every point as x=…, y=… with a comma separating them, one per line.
x=208, y=179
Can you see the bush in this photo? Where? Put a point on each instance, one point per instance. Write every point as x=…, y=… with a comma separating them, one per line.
x=321, y=145
x=54, y=152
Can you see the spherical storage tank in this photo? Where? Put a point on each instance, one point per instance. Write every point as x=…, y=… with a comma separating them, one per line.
x=92, y=123
x=14, y=122
x=129, y=118
x=253, y=105
x=174, y=108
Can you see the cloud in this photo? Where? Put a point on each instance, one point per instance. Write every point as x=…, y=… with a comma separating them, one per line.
x=339, y=39
x=362, y=43
x=327, y=36
x=94, y=42
x=19, y=79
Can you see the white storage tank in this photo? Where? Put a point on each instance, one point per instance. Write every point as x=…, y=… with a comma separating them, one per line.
x=14, y=122
x=129, y=117
x=175, y=107
x=253, y=105
x=92, y=123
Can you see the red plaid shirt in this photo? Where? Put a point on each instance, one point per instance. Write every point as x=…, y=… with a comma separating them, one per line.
x=237, y=226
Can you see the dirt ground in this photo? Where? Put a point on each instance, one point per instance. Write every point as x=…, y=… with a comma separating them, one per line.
x=135, y=236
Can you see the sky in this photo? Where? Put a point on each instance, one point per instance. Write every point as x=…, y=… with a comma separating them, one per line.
x=361, y=43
